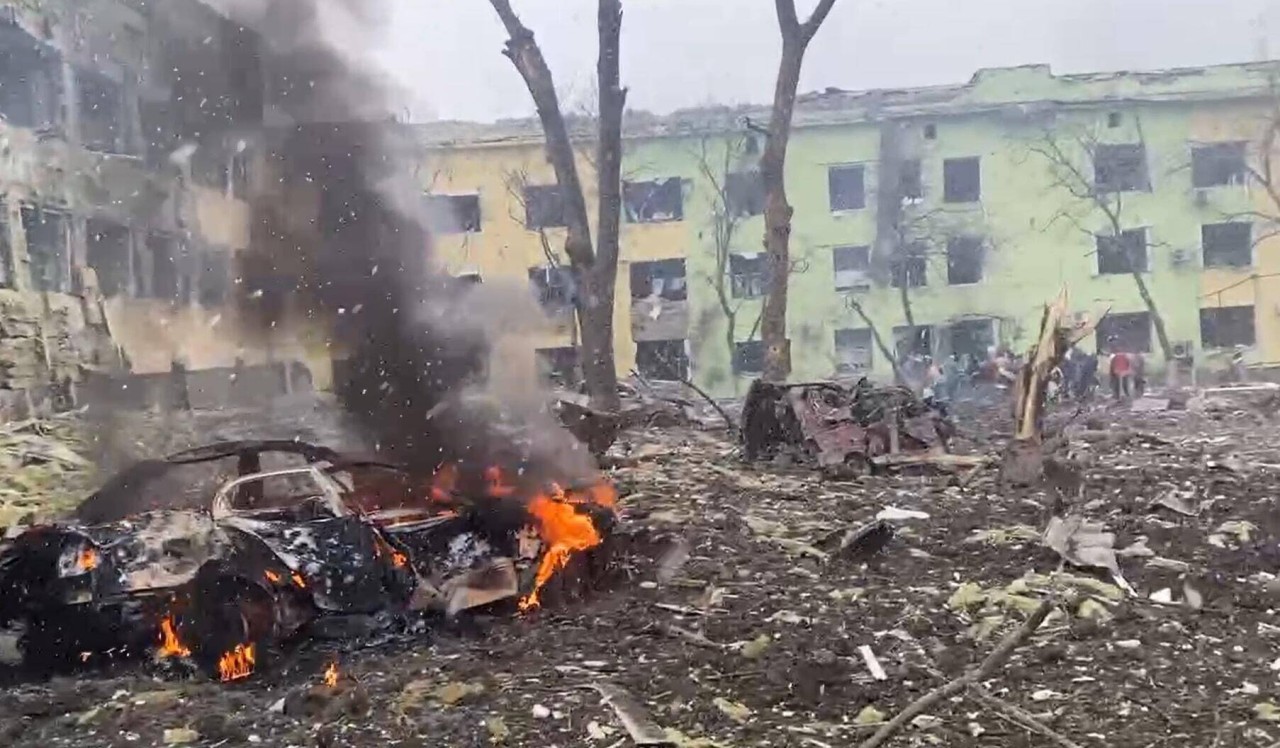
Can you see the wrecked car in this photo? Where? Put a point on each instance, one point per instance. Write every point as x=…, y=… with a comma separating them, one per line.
x=330, y=548
x=217, y=585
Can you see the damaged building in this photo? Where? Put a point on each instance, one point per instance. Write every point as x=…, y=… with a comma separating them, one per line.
x=938, y=211
x=130, y=133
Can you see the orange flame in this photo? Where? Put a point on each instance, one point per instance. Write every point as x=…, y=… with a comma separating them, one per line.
x=331, y=674
x=398, y=558
x=170, y=644
x=298, y=580
x=236, y=664
x=565, y=530
x=88, y=560
x=271, y=576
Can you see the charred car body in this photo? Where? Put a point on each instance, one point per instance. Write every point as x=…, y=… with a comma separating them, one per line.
x=273, y=553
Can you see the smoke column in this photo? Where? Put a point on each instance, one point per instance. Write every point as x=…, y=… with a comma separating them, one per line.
x=339, y=240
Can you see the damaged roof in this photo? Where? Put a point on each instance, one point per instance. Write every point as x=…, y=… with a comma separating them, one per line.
x=1023, y=89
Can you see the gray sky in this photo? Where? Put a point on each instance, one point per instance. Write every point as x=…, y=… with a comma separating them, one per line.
x=679, y=53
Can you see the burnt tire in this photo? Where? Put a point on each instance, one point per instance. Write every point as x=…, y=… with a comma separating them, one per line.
x=230, y=617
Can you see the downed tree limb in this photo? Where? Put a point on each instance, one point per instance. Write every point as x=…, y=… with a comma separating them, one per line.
x=1021, y=717
x=963, y=682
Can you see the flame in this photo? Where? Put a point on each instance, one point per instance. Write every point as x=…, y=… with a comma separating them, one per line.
x=565, y=530
x=271, y=576
x=88, y=560
x=236, y=664
x=298, y=580
x=170, y=645
x=331, y=674
x=398, y=558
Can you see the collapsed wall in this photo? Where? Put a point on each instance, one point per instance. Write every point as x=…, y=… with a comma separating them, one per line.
x=131, y=134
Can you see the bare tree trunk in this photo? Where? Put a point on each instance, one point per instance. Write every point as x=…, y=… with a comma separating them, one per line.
x=777, y=211
x=889, y=356
x=1157, y=319
x=594, y=269
x=596, y=310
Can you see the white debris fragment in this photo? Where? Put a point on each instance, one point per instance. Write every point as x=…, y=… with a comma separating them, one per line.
x=540, y=712
x=894, y=513
x=1129, y=644
x=1164, y=596
x=873, y=665
x=1045, y=694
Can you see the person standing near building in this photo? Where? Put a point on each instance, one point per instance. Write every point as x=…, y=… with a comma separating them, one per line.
x=1121, y=370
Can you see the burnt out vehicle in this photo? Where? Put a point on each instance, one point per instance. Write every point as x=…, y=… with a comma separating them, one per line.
x=274, y=553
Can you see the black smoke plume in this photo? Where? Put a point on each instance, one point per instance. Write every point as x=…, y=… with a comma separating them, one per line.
x=339, y=241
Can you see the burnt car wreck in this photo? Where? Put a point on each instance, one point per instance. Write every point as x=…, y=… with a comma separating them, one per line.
x=831, y=425
x=333, y=546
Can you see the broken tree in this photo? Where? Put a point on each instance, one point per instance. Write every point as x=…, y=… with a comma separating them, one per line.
x=1024, y=459
x=777, y=211
x=594, y=266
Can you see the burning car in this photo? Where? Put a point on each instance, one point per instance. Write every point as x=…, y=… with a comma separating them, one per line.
x=313, y=548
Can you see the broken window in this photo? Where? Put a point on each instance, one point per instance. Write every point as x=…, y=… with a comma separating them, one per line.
x=559, y=365
x=453, y=214
x=101, y=104
x=912, y=341
x=852, y=268
x=930, y=132
x=30, y=79
x=1227, y=244
x=910, y=180
x=656, y=201
x=964, y=260
x=846, y=189
x=907, y=268
x=48, y=249
x=1126, y=253
x=748, y=357
x=962, y=180
x=1113, y=119
x=972, y=337
x=1129, y=332
x=1227, y=327
x=748, y=275
x=169, y=278
x=744, y=193
x=664, y=360
x=665, y=278
x=543, y=206
x=1216, y=164
x=108, y=252
x=853, y=351
x=214, y=283
x=1121, y=168
x=553, y=286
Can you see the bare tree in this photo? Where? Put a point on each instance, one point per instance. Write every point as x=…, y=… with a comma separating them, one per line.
x=594, y=266
x=715, y=167
x=777, y=211
x=1070, y=155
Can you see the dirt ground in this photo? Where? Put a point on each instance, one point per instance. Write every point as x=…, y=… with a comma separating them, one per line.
x=755, y=640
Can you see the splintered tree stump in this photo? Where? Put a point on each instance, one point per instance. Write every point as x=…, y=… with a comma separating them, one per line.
x=1023, y=463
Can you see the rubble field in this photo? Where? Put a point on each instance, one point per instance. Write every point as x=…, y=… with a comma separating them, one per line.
x=739, y=621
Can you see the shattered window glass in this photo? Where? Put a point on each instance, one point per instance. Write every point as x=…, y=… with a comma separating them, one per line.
x=656, y=201
x=662, y=360
x=665, y=278
x=853, y=351
x=1126, y=253
x=1121, y=168
x=1227, y=244
x=47, y=249
x=1218, y=164
x=1227, y=327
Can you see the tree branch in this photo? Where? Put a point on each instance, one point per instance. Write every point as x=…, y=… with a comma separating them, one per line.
x=997, y=657
x=816, y=18
x=788, y=21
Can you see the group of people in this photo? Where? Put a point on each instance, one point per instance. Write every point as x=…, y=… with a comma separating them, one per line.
x=1076, y=379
